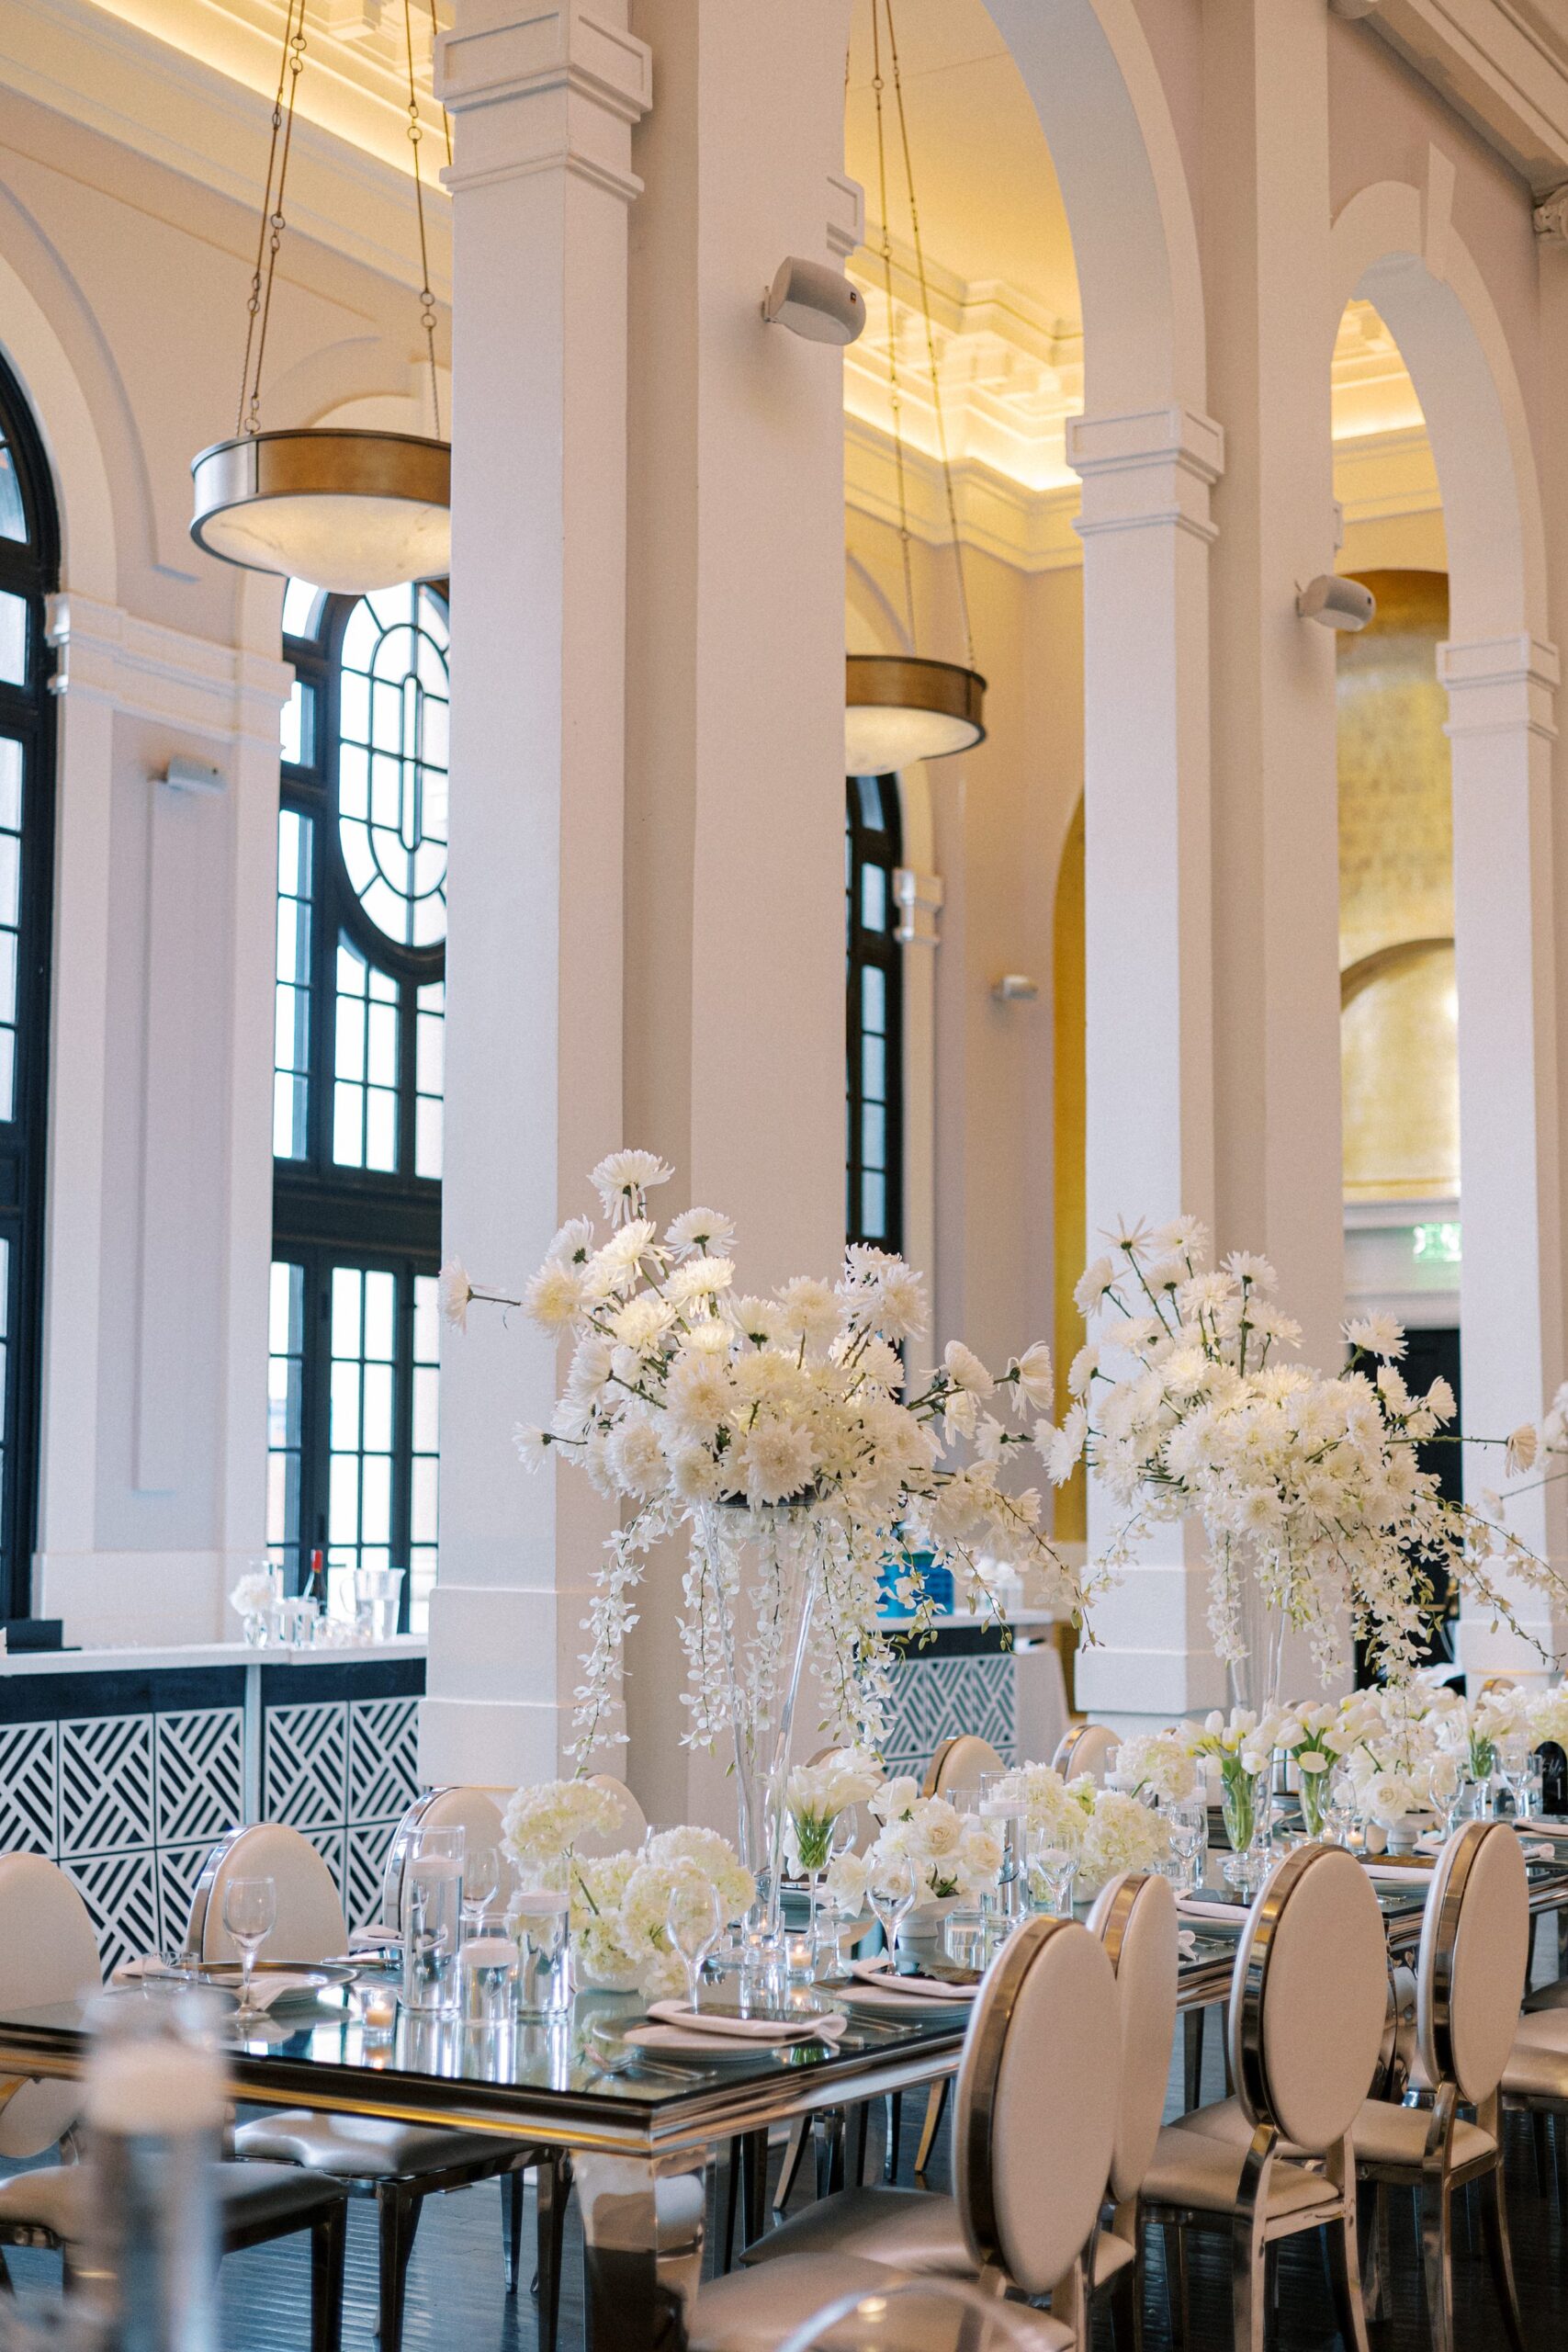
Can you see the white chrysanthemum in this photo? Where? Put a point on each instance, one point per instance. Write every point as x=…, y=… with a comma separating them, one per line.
x=966, y=1371
x=1246, y=1266
x=699, y=1394
x=1092, y=1285
x=702, y=1229
x=709, y=1336
x=775, y=1460
x=1033, y=1381
x=1081, y=1371
x=1377, y=1334
x=811, y=1311
x=641, y=1321
x=553, y=1296
x=573, y=1243
x=697, y=1278
x=453, y=1292
x=757, y=1319
x=627, y=1247
x=621, y=1179
x=532, y=1444
x=633, y=1455
x=1520, y=1450
x=1060, y=1449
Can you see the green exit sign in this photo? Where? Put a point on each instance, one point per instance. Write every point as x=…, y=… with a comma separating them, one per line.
x=1438, y=1244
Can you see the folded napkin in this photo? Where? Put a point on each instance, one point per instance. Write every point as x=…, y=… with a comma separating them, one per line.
x=1211, y=1906
x=1399, y=1873
x=1186, y=1943
x=1533, y=1848
x=675, y=2025
x=372, y=1939
x=876, y=1974
x=275, y=1986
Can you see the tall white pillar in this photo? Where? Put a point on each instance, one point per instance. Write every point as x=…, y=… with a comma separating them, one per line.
x=544, y=98
x=1147, y=532
x=1502, y=730
x=735, y=820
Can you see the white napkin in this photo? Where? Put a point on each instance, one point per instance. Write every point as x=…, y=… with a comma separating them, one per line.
x=676, y=2025
x=133, y=1971
x=1186, y=1943
x=1399, y=1873
x=877, y=1974
x=1202, y=1907
x=1533, y=1848
x=275, y=1986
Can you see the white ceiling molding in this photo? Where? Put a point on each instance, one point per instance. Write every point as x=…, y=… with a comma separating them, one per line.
x=1032, y=530
x=162, y=101
x=1380, y=476
x=1504, y=64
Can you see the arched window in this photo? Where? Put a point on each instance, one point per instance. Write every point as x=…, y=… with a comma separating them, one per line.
x=29, y=570
x=357, y=1089
x=873, y=1008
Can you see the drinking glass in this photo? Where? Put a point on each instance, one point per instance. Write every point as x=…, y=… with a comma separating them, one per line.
x=695, y=1920
x=1513, y=1760
x=433, y=1921
x=488, y=1970
x=481, y=1884
x=1246, y=1800
x=250, y=1914
x=1052, y=1869
x=540, y=1926
x=1340, y=1812
x=891, y=1893
x=1187, y=1824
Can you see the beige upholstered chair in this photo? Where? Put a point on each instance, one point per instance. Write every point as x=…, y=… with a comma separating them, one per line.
x=958, y=1764
x=49, y=1954
x=473, y=1811
x=912, y=2232
x=922, y=2315
x=1470, y=1978
x=628, y=1832
x=396, y=2164
x=1309, y=1998
x=1087, y=1749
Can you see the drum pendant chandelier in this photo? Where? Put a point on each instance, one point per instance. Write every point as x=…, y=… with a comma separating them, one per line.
x=350, y=511
x=900, y=709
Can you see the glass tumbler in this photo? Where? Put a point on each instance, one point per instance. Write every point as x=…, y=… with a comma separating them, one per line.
x=432, y=1922
x=487, y=1968
x=540, y=1925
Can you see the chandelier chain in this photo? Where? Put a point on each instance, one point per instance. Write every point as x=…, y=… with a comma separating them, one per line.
x=894, y=397
x=259, y=307
x=931, y=338
x=426, y=299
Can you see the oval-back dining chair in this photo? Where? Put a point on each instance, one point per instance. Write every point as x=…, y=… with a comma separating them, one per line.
x=958, y=1764
x=1087, y=1749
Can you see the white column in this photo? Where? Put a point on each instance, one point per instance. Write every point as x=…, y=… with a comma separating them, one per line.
x=543, y=99
x=1147, y=532
x=1501, y=730
x=735, y=820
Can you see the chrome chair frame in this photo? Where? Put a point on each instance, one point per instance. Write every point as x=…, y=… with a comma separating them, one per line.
x=1439, y=2175
x=1251, y=2232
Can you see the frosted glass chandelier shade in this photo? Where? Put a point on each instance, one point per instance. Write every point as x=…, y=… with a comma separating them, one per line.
x=899, y=709
x=349, y=511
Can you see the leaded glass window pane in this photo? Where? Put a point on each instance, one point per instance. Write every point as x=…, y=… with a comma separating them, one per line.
x=285, y=1418
x=13, y=512
x=13, y=639
x=291, y=1043
x=10, y=915
x=874, y=1015
x=360, y=1428
x=392, y=720
x=365, y=1087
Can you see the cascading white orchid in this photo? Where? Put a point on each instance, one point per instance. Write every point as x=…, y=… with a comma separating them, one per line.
x=707, y=1408
x=1307, y=1484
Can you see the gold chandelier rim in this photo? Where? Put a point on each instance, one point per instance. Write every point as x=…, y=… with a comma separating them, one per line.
x=915, y=682
x=313, y=461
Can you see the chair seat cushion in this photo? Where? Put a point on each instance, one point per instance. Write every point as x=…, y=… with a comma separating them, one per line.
x=1384, y=2134
x=910, y=2228
x=753, y=2311
x=1199, y=2162
x=255, y=2197
x=1112, y=2253
x=1547, y=1997
x=364, y=2147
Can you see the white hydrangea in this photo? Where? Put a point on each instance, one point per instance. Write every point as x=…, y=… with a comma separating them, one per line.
x=1159, y=1762
x=1122, y=1834
x=543, y=1821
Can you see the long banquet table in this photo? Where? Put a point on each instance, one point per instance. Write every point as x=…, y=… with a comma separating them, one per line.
x=639, y=2141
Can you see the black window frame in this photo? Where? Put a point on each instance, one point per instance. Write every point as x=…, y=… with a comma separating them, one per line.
x=30, y=570
x=326, y=1215
x=879, y=845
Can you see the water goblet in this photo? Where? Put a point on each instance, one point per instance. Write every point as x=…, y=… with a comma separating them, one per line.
x=481, y=1884
x=695, y=1920
x=1514, y=1761
x=890, y=1889
x=1341, y=1811
x=250, y=1914
x=1186, y=1825
x=1052, y=1869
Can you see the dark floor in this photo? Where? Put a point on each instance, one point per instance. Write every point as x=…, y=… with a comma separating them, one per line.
x=456, y=2297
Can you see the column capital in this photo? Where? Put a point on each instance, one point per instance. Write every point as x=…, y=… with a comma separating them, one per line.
x=1154, y=466
x=543, y=87
x=164, y=675
x=1496, y=684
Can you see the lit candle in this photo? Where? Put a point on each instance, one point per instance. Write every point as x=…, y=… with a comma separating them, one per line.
x=379, y=2008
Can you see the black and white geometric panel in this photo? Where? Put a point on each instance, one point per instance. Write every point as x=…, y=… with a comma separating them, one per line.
x=30, y=1789
x=937, y=1698
x=366, y=1859
x=105, y=1784
x=305, y=1765
x=201, y=1774
x=178, y=1868
x=383, y=1758
x=121, y=1896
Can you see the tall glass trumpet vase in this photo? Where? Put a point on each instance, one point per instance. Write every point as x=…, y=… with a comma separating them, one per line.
x=1246, y=1803
x=751, y=1591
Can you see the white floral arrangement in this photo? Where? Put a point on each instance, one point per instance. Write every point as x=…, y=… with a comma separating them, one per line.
x=1053, y=1809
x=619, y=1905
x=1122, y=1834
x=1305, y=1483
x=814, y=1796
x=1548, y=1717
x=1473, y=1730
x=1241, y=1743
x=543, y=1821
x=1158, y=1763
x=684, y=1395
x=255, y=1591
x=950, y=1853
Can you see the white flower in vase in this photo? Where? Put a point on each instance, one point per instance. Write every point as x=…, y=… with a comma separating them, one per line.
x=1122, y=1834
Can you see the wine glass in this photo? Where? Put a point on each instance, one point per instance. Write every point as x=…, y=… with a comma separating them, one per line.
x=695, y=1918
x=1052, y=1869
x=1342, y=1810
x=891, y=1893
x=1515, y=1757
x=481, y=1884
x=1187, y=1822
x=250, y=1914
